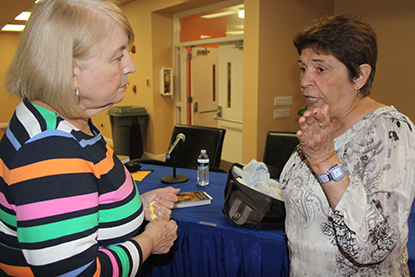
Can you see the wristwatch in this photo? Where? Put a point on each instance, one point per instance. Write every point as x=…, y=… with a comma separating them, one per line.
x=335, y=173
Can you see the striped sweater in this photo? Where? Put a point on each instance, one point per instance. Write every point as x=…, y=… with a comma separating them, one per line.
x=68, y=207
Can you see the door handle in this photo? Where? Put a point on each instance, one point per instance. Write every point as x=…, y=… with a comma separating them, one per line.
x=218, y=116
x=209, y=111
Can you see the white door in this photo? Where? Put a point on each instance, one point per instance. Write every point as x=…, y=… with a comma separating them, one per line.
x=204, y=67
x=216, y=84
x=230, y=100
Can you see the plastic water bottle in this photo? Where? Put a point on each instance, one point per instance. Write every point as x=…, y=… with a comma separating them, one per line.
x=203, y=168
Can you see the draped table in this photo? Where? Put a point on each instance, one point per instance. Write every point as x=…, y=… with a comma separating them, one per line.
x=208, y=243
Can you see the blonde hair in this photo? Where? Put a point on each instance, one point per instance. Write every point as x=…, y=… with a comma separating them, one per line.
x=58, y=34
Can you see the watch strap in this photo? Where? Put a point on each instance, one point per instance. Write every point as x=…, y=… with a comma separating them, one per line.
x=324, y=178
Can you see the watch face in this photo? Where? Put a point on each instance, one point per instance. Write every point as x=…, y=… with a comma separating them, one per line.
x=337, y=172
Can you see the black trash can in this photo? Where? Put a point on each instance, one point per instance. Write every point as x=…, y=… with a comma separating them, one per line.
x=127, y=126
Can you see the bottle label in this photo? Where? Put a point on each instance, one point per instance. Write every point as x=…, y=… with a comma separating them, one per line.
x=203, y=161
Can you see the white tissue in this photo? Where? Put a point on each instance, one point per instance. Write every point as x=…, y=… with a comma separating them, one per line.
x=256, y=176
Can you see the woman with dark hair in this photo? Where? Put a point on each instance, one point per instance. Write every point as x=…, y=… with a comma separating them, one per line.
x=68, y=206
x=349, y=187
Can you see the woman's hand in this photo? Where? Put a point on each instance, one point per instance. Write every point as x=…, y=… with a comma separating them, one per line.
x=317, y=143
x=316, y=136
x=163, y=233
x=164, y=201
x=158, y=236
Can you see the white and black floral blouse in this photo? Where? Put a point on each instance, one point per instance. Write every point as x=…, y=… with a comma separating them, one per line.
x=366, y=234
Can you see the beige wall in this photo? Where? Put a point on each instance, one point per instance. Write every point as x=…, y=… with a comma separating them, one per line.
x=269, y=62
x=270, y=67
x=152, y=27
x=153, y=41
x=8, y=45
x=139, y=16
x=270, y=59
x=394, y=23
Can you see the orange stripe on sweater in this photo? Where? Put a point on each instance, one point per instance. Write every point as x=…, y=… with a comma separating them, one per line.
x=57, y=167
x=4, y=170
x=11, y=270
x=98, y=271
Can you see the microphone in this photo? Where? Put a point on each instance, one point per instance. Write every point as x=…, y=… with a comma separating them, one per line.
x=179, y=137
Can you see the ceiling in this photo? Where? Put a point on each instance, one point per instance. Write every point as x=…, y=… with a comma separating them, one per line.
x=9, y=9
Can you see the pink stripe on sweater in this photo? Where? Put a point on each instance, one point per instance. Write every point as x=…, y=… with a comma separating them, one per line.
x=115, y=270
x=121, y=193
x=56, y=206
x=6, y=204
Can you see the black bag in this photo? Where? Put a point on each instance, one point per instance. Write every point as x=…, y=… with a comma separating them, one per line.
x=248, y=208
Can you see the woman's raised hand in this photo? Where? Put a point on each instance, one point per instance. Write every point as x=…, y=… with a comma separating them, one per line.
x=316, y=135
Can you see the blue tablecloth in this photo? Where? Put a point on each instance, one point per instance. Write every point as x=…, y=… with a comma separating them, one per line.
x=209, y=245
x=411, y=241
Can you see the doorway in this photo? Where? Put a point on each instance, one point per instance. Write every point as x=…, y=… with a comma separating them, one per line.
x=216, y=79
x=209, y=78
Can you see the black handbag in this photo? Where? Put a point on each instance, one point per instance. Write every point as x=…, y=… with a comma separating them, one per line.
x=248, y=208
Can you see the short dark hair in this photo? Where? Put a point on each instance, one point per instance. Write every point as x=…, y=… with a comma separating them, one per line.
x=347, y=37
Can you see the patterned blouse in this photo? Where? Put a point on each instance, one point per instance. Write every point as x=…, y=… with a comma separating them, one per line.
x=366, y=234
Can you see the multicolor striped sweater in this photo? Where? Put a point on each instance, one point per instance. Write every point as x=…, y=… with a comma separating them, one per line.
x=68, y=207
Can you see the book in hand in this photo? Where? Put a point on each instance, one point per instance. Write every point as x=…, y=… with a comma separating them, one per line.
x=193, y=198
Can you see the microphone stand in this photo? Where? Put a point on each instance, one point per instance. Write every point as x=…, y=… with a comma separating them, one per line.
x=173, y=178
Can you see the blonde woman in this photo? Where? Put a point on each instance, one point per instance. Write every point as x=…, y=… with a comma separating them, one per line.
x=68, y=205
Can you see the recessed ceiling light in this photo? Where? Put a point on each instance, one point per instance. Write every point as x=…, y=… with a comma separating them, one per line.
x=24, y=16
x=13, y=28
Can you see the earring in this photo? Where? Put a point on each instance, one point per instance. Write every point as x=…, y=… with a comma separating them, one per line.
x=358, y=91
x=78, y=97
